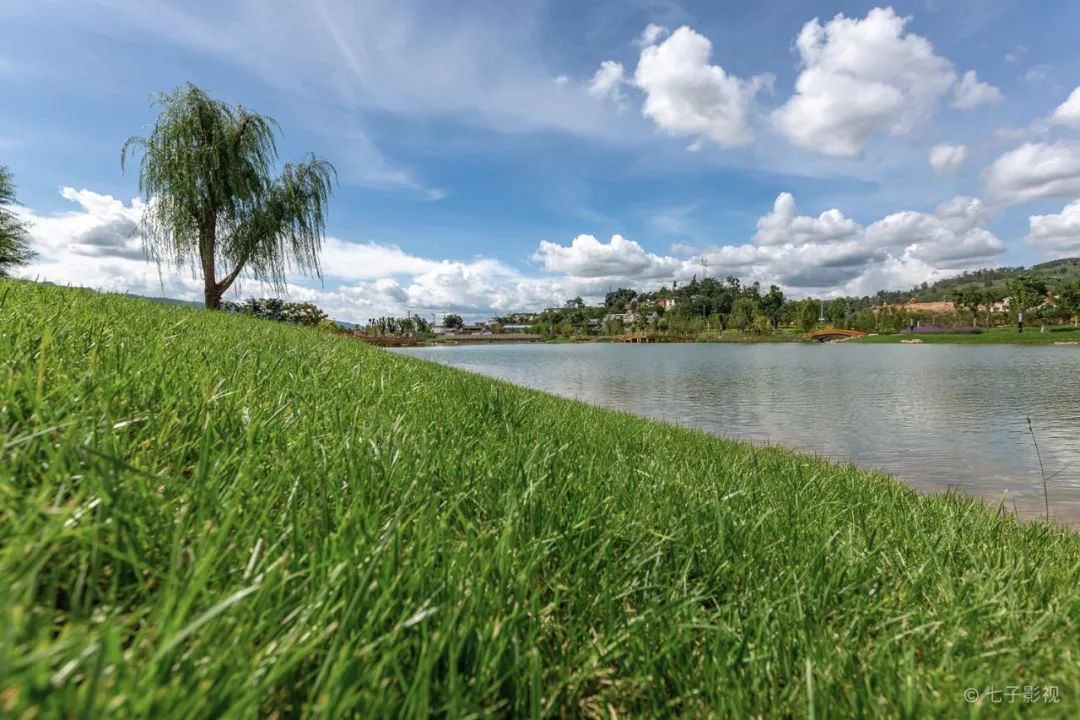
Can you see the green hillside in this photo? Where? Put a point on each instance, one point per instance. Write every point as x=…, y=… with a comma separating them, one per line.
x=1055, y=273
x=205, y=515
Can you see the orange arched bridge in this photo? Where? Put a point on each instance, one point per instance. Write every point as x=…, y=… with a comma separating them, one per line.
x=829, y=334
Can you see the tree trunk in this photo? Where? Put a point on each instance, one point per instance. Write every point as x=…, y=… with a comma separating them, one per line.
x=207, y=241
x=211, y=294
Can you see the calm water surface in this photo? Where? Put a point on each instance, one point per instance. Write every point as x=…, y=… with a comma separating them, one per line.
x=938, y=416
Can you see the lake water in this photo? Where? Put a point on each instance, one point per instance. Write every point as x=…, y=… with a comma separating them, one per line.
x=937, y=416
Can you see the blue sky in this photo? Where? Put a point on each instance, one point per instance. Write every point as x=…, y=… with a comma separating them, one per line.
x=496, y=156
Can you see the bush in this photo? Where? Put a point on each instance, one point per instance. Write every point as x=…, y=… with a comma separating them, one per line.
x=761, y=326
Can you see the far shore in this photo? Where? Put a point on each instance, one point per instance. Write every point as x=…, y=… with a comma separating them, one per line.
x=1051, y=335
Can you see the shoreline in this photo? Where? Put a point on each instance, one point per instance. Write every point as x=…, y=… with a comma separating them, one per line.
x=1054, y=338
x=1029, y=510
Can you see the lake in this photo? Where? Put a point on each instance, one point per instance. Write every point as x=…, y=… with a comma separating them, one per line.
x=937, y=416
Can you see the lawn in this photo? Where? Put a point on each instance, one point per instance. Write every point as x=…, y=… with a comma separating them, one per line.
x=204, y=515
x=993, y=336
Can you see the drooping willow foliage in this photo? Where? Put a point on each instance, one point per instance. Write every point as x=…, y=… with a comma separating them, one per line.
x=14, y=240
x=212, y=201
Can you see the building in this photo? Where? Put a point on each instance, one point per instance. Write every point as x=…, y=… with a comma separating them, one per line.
x=667, y=303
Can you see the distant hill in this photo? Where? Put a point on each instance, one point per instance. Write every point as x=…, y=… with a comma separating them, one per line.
x=173, y=301
x=1055, y=272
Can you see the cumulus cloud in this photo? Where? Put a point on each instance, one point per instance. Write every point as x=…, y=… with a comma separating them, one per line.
x=832, y=253
x=950, y=237
x=860, y=78
x=651, y=34
x=97, y=244
x=1068, y=112
x=1057, y=233
x=587, y=257
x=686, y=95
x=784, y=225
x=607, y=83
x=971, y=92
x=1033, y=171
x=947, y=159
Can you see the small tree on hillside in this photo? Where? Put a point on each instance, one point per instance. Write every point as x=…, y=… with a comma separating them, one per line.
x=808, y=314
x=1069, y=300
x=1026, y=291
x=742, y=313
x=991, y=296
x=212, y=201
x=968, y=299
x=772, y=304
x=619, y=298
x=14, y=239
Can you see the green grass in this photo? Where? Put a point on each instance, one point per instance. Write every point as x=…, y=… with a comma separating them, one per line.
x=211, y=516
x=993, y=336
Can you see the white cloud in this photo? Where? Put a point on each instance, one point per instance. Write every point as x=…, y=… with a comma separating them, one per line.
x=651, y=34
x=587, y=257
x=832, y=253
x=971, y=92
x=607, y=83
x=1033, y=171
x=483, y=65
x=1016, y=53
x=947, y=159
x=1058, y=233
x=860, y=78
x=784, y=226
x=369, y=261
x=1068, y=112
x=950, y=237
x=1038, y=74
x=97, y=245
x=962, y=213
x=685, y=95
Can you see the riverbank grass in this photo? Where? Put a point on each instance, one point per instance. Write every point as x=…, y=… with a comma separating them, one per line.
x=204, y=515
x=993, y=336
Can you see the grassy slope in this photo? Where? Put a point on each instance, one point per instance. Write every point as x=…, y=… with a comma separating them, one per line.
x=994, y=336
x=204, y=515
x=1055, y=273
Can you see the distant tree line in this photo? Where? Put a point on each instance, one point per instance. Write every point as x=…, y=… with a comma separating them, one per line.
x=710, y=305
x=408, y=326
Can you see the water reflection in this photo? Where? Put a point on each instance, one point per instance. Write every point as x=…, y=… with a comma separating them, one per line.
x=937, y=416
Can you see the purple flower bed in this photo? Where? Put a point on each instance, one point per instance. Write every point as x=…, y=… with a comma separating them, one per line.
x=932, y=329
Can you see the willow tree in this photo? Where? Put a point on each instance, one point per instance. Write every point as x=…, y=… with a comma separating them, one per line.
x=213, y=202
x=14, y=240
